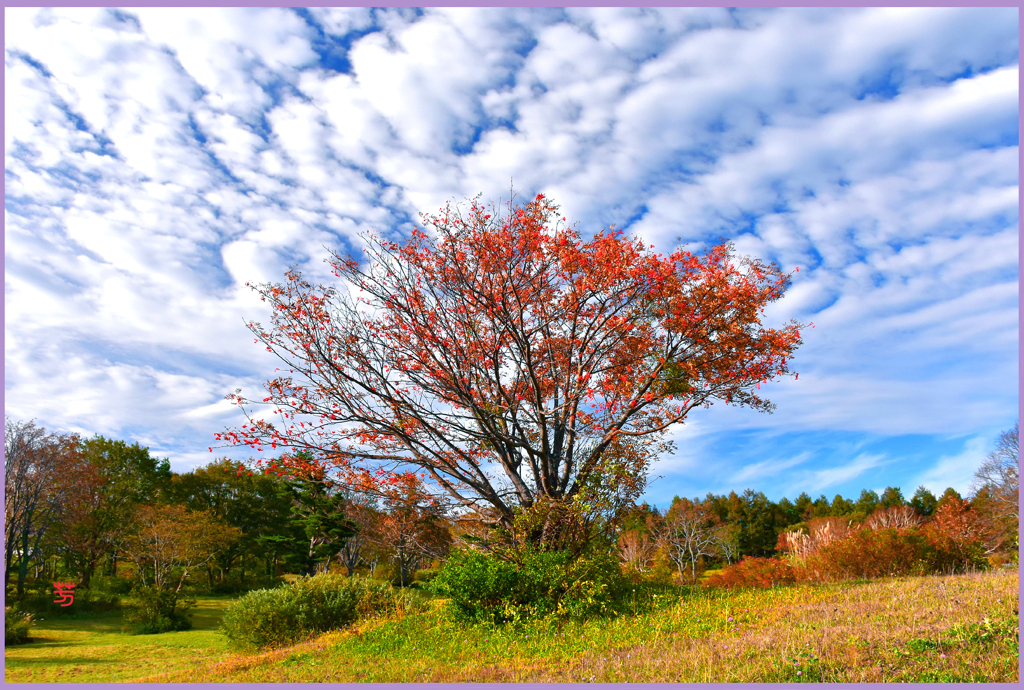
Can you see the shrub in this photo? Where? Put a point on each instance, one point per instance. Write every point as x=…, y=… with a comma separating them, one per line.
x=85, y=601
x=155, y=610
x=753, y=572
x=869, y=553
x=276, y=617
x=114, y=585
x=263, y=618
x=425, y=575
x=16, y=625
x=235, y=585
x=387, y=572
x=872, y=553
x=662, y=571
x=481, y=587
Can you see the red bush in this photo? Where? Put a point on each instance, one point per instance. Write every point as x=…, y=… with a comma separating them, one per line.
x=753, y=572
x=871, y=553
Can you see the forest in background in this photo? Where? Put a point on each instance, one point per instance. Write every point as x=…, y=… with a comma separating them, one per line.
x=102, y=511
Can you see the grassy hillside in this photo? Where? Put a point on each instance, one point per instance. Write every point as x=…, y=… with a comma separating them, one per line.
x=943, y=629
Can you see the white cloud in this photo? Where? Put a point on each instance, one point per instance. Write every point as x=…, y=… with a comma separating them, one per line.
x=834, y=476
x=768, y=468
x=955, y=471
x=158, y=159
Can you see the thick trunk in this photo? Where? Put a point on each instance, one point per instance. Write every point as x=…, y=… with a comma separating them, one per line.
x=87, y=572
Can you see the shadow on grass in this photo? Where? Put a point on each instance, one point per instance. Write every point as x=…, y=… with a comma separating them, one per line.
x=94, y=648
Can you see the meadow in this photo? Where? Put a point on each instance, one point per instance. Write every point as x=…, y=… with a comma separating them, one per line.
x=91, y=648
x=950, y=628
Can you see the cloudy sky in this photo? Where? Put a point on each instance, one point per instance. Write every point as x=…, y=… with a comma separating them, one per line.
x=156, y=160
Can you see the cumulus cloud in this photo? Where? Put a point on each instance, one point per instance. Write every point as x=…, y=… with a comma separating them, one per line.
x=159, y=159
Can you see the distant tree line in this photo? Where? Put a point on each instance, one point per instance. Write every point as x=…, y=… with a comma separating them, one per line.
x=720, y=529
x=85, y=508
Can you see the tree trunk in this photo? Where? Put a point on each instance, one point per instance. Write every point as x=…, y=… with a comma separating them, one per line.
x=23, y=564
x=9, y=554
x=87, y=572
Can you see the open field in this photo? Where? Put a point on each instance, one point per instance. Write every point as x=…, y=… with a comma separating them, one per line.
x=911, y=629
x=91, y=648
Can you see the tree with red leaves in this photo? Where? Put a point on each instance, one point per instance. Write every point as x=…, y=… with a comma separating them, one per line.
x=509, y=362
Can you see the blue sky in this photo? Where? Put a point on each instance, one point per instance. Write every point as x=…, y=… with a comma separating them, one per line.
x=158, y=159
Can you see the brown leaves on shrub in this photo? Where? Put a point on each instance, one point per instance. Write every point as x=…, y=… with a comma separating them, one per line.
x=754, y=572
x=890, y=543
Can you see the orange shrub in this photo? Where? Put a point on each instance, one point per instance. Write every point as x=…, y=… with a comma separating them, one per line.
x=868, y=553
x=953, y=552
x=753, y=572
x=871, y=553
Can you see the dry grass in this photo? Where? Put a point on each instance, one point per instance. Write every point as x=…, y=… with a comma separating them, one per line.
x=908, y=629
x=884, y=631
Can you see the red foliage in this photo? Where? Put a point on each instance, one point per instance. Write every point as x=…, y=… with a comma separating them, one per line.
x=510, y=360
x=867, y=553
x=754, y=572
x=956, y=519
x=872, y=553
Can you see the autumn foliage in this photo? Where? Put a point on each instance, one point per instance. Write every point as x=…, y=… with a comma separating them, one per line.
x=891, y=542
x=752, y=571
x=508, y=362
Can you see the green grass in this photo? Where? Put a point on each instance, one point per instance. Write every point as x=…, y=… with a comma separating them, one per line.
x=883, y=631
x=91, y=648
x=959, y=628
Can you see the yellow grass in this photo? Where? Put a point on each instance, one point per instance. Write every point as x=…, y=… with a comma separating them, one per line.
x=908, y=629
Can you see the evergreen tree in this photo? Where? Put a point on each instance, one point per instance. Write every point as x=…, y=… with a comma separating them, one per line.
x=804, y=507
x=924, y=502
x=892, y=497
x=866, y=503
x=841, y=506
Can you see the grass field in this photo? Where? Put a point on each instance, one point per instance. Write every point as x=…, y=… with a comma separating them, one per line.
x=942, y=629
x=91, y=648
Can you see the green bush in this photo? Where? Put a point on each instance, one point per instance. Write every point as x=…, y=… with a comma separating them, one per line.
x=235, y=585
x=16, y=625
x=481, y=587
x=277, y=617
x=388, y=572
x=114, y=585
x=155, y=610
x=263, y=618
x=85, y=601
x=425, y=575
